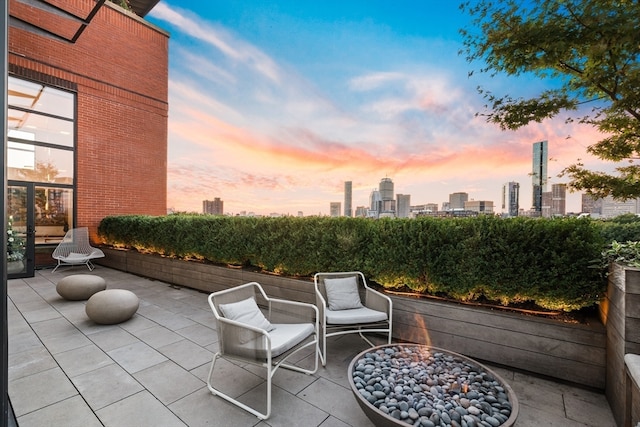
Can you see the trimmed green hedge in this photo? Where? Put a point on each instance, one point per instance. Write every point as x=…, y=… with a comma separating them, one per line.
x=509, y=260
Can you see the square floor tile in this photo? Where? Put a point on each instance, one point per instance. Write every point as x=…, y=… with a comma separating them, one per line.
x=141, y=409
x=106, y=385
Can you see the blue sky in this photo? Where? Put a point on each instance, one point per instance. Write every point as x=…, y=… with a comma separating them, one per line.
x=273, y=105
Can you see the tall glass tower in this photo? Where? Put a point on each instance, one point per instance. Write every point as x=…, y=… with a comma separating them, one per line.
x=539, y=173
x=511, y=198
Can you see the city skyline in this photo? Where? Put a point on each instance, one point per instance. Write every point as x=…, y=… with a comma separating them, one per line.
x=274, y=106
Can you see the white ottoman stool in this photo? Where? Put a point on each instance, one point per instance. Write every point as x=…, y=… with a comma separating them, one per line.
x=112, y=306
x=79, y=287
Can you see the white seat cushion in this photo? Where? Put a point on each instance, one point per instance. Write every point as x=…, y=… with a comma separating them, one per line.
x=284, y=337
x=354, y=316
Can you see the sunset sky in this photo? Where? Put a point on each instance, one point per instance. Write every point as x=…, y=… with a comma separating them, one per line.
x=273, y=105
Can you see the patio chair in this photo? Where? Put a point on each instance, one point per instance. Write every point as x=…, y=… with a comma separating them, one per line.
x=343, y=310
x=75, y=249
x=246, y=335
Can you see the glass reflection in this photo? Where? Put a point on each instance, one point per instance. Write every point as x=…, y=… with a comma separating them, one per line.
x=38, y=97
x=53, y=213
x=26, y=162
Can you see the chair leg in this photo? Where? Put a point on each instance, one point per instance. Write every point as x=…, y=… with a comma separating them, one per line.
x=216, y=392
x=54, y=270
x=322, y=346
x=316, y=352
x=366, y=339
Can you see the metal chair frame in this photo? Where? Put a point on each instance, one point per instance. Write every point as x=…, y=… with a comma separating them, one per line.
x=229, y=330
x=373, y=300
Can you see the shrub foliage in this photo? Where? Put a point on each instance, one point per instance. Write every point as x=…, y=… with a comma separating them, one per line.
x=509, y=260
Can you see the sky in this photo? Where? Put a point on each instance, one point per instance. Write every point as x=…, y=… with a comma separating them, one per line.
x=274, y=105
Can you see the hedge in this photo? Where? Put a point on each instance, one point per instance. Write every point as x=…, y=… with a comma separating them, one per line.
x=544, y=261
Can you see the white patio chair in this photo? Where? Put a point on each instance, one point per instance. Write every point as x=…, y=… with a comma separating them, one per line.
x=246, y=335
x=75, y=249
x=347, y=305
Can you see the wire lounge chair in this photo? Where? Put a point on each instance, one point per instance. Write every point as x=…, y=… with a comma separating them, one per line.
x=246, y=335
x=76, y=249
x=343, y=310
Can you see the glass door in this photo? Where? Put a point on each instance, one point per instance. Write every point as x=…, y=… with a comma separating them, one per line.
x=20, y=231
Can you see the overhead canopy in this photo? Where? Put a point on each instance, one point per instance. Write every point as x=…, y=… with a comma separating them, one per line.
x=142, y=7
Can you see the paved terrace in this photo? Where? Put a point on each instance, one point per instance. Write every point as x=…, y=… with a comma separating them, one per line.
x=65, y=370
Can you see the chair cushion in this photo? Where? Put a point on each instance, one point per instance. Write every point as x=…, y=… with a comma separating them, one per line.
x=74, y=256
x=247, y=312
x=342, y=293
x=284, y=336
x=354, y=316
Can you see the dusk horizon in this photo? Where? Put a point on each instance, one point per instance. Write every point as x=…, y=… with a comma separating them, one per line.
x=273, y=107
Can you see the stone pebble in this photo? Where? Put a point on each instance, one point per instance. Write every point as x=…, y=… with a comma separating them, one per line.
x=426, y=388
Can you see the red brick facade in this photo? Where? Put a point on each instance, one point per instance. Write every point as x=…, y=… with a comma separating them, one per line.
x=119, y=66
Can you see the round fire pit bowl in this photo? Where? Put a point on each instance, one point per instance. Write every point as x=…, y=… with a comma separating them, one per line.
x=412, y=384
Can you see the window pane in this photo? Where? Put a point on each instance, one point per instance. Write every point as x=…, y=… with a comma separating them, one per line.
x=27, y=162
x=54, y=213
x=37, y=97
x=36, y=127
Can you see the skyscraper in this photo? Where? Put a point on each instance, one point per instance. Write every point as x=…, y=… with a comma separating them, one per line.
x=347, y=199
x=386, y=189
x=539, y=173
x=511, y=198
x=403, y=205
x=213, y=207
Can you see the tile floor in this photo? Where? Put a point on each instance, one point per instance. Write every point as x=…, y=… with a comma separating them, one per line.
x=65, y=370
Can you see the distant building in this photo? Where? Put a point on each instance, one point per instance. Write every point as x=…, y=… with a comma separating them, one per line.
x=403, y=205
x=387, y=208
x=539, y=173
x=446, y=206
x=456, y=201
x=558, y=199
x=511, y=198
x=375, y=204
x=361, y=211
x=608, y=207
x=348, y=198
x=545, y=206
x=591, y=205
x=612, y=208
x=300, y=214
x=427, y=208
x=334, y=209
x=480, y=206
x=213, y=207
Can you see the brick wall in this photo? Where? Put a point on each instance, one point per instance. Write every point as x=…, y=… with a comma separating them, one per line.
x=120, y=68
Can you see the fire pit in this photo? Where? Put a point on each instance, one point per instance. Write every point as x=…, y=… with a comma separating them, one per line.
x=410, y=384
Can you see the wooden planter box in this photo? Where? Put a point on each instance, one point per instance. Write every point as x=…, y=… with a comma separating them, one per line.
x=620, y=312
x=569, y=352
